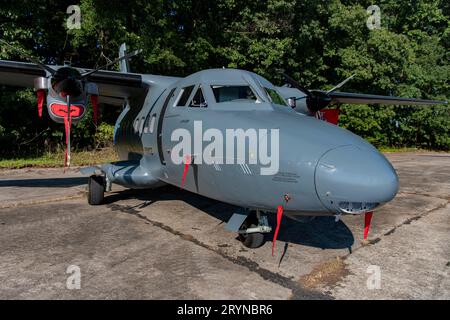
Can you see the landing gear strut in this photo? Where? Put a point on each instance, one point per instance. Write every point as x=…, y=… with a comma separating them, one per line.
x=96, y=189
x=251, y=232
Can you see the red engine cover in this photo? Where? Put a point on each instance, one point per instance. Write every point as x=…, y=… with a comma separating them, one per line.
x=60, y=110
x=330, y=115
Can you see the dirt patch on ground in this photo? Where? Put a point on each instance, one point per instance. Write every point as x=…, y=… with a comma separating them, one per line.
x=326, y=274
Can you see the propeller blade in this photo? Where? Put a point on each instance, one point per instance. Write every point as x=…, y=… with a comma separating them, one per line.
x=29, y=57
x=340, y=85
x=357, y=98
x=127, y=56
x=296, y=85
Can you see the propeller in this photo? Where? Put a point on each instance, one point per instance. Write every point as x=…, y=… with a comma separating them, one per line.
x=67, y=89
x=315, y=100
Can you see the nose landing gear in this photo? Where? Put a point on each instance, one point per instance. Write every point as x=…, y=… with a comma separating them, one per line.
x=251, y=233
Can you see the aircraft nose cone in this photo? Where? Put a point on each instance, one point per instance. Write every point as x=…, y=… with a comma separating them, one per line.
x=354, y=180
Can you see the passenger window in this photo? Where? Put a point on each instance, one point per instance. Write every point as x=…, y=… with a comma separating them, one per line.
x=152, y=123
x=136, y=125
x=146, y=124
x=199, y=100
x=184, y=96
x=141, y=128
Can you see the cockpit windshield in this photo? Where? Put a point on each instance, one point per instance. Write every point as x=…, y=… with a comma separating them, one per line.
x=275, y=97
x=234, y=93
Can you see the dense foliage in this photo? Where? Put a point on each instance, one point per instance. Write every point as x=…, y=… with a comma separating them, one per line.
x=317, y=42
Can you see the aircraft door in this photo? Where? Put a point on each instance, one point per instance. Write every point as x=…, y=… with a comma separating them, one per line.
x=188, y=108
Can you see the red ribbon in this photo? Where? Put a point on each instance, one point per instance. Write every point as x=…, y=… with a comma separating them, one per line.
x=187, y=163
x=94, y=102
x=67, y=126
x=40, y=101
x=275, y=235
x=367, y=220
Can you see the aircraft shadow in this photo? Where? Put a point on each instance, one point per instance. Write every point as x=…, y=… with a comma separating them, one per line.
x=45, y=183
x=318, y=232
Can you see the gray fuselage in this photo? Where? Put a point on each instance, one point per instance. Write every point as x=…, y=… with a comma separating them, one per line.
x=322, y=169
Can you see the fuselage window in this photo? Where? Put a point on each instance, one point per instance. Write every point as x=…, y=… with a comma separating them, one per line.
x=275, y=97
x=141, y=128
x=152, y=123
x=136, y=125
x=147, y=125
x=184, y=96
x=198, y=101
x=234, y=94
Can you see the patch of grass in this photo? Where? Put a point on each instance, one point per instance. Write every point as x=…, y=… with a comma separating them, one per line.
x=50, y=160
x=326, y=274
x=392, y=149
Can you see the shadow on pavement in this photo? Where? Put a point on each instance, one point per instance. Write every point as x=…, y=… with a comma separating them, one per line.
x=44, y=183
x=319, y=232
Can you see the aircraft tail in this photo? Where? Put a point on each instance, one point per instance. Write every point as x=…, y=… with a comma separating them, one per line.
x=123, y=64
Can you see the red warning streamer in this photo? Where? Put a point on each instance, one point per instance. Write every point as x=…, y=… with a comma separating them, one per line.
x=367, y=220
x=187, y=163
x=275, y=235
x=67, y=127
x=94, y=102
x=40, y=101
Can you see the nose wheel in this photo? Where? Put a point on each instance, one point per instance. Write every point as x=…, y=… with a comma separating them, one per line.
x=251, y=232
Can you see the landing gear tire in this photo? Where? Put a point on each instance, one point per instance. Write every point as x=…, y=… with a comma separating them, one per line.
x=96, y=190
x=251, y=240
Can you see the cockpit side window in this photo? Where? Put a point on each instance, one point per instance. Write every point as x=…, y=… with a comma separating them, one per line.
x=184, y=96
x=198, y=101
x=275, y=97
x=240, y=93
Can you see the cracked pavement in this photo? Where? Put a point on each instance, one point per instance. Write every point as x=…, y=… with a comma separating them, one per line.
x=171, y=244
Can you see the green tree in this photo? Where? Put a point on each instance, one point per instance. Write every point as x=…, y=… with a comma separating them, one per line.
x=317, y=42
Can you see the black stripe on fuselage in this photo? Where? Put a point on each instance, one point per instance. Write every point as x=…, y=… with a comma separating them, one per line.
x=160, y=123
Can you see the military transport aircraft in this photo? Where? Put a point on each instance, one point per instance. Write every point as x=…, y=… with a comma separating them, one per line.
x=185, y=131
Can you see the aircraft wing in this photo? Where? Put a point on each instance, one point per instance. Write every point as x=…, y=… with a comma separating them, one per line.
x=357, y=98
x=113, y=86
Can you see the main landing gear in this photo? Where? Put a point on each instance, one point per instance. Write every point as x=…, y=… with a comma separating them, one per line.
x=251, y=233
x=96, y=189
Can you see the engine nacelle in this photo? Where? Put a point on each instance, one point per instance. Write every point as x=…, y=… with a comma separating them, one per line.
x=57, y=100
